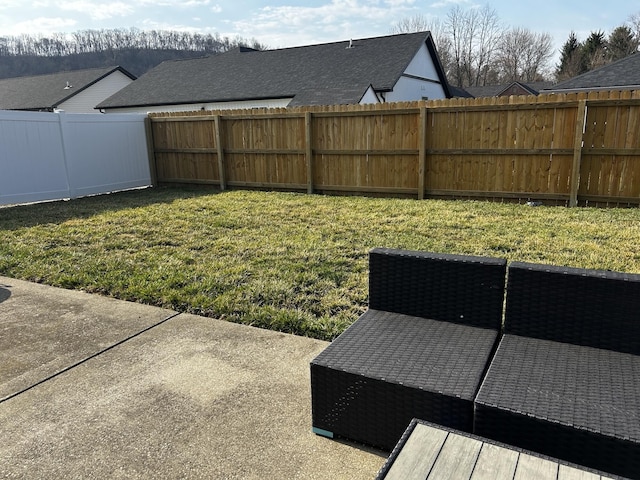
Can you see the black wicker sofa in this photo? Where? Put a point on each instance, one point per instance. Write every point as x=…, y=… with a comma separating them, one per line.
x=420, y=350
x=555, y=369
x=565, y=379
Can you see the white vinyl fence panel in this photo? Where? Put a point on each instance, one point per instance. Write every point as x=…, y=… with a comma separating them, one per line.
x=51, y=156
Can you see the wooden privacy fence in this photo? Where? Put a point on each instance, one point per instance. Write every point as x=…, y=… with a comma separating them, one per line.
x=569, y=149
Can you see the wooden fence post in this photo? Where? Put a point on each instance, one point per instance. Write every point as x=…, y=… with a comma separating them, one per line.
x=574, y=185
x=219, y=146
x=309, y=150
x=148, y=128
x=422, y=154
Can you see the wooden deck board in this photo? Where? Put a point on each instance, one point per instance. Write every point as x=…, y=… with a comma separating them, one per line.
x=457, y=458
x=418, y=454
x=530, y=467
x=568, y=473
x=431, y=453
x=495, y=462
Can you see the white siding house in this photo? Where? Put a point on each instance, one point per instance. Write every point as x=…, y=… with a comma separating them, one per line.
x=392, y=68
x=420, y=80
x=76, y=91
x=86, y=100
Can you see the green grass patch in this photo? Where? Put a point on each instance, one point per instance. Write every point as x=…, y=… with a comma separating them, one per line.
x=289, y=262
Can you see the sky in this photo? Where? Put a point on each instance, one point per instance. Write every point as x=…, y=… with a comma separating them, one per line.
x=293, y=23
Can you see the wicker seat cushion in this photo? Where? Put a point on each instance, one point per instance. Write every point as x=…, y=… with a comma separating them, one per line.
x=574, y=402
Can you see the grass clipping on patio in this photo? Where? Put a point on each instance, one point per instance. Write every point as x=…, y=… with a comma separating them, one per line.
x=289, y=262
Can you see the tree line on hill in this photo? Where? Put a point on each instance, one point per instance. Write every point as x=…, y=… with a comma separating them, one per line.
x=477, y=49
x=135, y=50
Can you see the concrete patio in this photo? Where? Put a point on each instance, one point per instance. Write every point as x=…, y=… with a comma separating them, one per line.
x=92, y=387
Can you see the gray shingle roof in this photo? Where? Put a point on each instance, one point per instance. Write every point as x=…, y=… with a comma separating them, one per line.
x=622, y=74
x=316, y=74
x=533, y=88
x=485, y=90
x=46, y=92
x=494, y=90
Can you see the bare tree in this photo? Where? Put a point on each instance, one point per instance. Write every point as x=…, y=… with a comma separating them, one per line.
x=110, y=41
x=474, y=36
x=416, y=23
x=524, y=55
x=537, y=58
x=456, y=29
x=489, y=33
x=634, y=25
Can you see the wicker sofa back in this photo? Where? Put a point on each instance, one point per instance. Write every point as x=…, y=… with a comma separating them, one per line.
x=591, y=308
x=459, y=289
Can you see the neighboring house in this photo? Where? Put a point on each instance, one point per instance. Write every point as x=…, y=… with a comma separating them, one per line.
x=505, y=90
x=76, y=91
x=383, y=69
x=623, y=74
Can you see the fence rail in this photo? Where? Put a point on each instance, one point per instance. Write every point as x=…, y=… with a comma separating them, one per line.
x=568, y=149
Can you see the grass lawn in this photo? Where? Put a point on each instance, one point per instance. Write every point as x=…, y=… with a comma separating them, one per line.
x=290, y=262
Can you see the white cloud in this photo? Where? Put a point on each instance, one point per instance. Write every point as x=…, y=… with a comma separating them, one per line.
x=8, y=4
x=399, y=3
x=98, y=11
x=216, y=8
x=452, y=3
x=287, y=25
x=194, y=3
x=173, y=3
x=40, y=25
x=149, y=24
x=326, y=14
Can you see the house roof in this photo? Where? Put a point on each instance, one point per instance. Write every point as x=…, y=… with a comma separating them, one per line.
x=621, y=74
x=484, y=90
x=327, y=73
x=459, y=92
x=46, y=92
x=495, y=90
x=532, y=88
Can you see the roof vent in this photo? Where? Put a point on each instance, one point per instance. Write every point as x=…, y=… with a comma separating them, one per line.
x=350, y=44
x=68, y=86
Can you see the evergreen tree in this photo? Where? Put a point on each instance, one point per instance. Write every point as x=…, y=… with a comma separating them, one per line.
x=621, y=43
x=571, y=59
x=594, y=51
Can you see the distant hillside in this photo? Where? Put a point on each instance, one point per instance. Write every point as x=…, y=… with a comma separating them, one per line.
x=137, y=51
x=136, y=61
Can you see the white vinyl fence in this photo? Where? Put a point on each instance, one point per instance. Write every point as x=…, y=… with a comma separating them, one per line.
x=51, y=156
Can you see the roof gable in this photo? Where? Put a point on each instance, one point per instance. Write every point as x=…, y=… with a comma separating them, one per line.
x=45, y=92
x=338, y=72
x=513, y=88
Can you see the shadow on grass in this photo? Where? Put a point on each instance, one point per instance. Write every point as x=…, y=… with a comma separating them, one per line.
x=22, y=216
